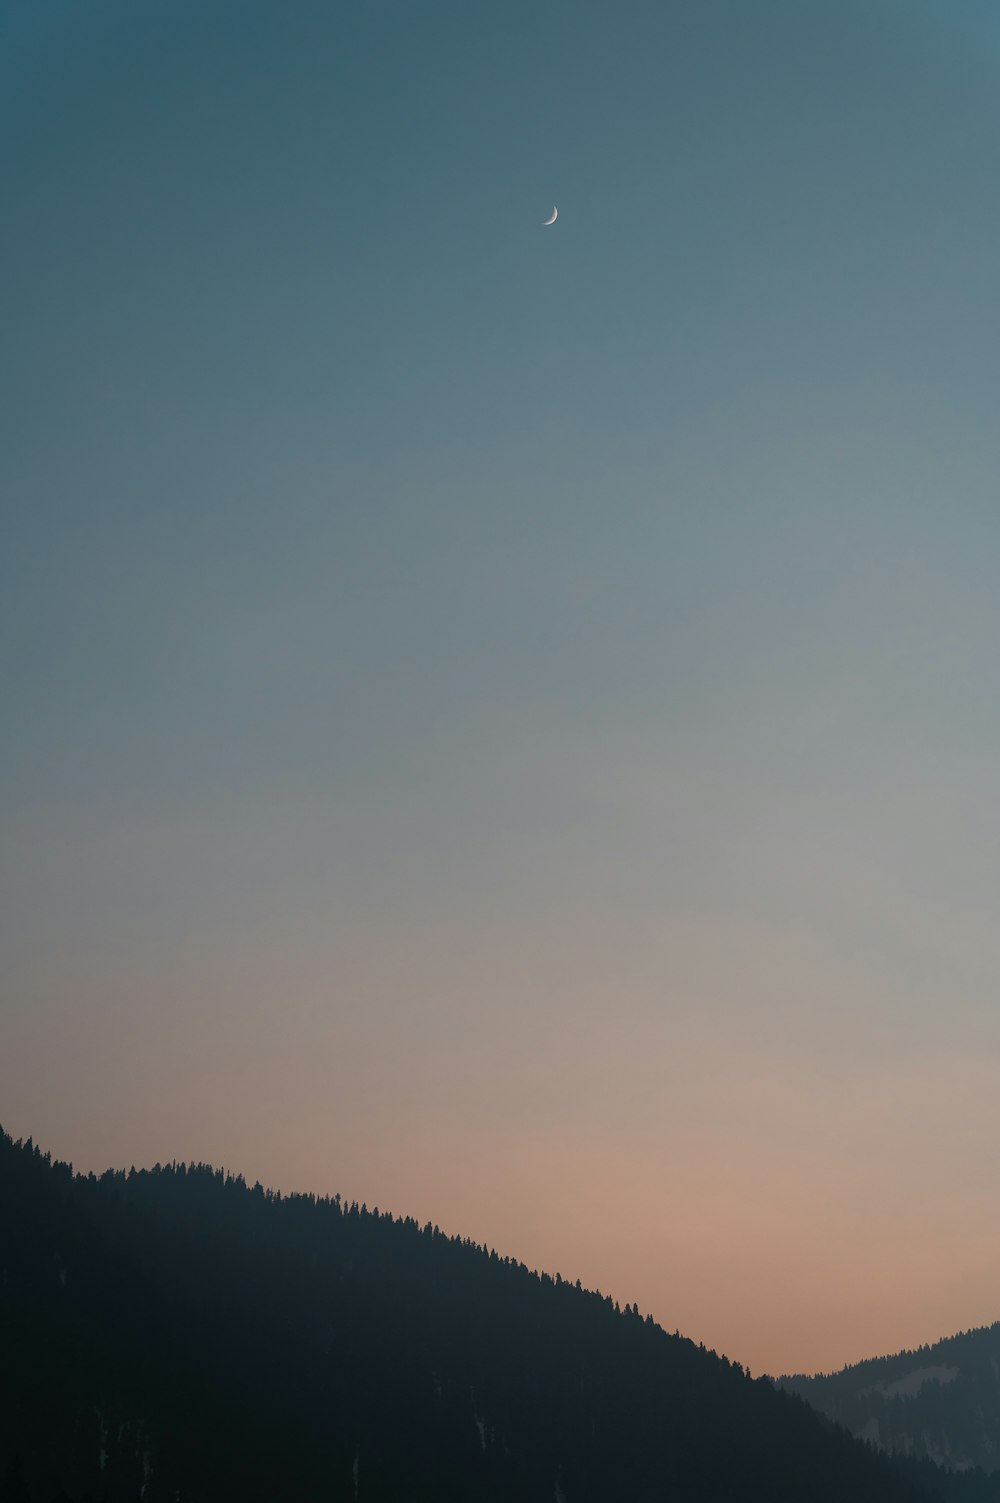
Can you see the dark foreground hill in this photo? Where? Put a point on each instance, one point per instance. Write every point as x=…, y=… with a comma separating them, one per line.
x=940, y=1401
x=176, y=1334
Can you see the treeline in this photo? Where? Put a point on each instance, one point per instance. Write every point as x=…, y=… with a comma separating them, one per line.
x=180, y=1336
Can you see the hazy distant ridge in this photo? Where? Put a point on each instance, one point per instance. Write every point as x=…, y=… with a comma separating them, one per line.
x=940, y=1401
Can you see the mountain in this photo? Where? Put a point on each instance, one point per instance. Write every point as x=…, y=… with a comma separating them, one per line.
x=177, y=1334
x=940, y=1401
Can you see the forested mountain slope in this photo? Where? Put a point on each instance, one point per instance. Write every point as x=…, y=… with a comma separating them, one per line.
x=940, y=1401
x=175, y=1334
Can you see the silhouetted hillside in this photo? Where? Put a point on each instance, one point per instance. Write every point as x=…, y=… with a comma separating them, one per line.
x=940, y=1401
x=175, y=1334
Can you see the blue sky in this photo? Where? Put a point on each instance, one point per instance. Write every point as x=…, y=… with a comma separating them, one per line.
x=537, y=676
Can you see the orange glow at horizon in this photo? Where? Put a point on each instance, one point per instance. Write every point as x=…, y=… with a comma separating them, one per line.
x=770, y=1199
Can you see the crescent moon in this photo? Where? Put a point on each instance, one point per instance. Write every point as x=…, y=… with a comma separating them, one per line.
x=555, y=215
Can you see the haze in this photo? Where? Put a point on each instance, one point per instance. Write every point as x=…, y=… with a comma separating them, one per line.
x=503, y=722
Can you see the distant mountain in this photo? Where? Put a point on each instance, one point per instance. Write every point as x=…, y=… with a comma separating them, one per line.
x=941, y=1401
x=178, y=1336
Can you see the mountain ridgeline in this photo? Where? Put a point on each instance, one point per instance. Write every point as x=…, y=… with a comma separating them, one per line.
x=176, y=1334
x=940, y=1401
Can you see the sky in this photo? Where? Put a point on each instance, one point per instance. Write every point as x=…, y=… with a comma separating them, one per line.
x=501, y=722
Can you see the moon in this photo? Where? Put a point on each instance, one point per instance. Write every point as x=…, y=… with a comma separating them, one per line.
x=555, y=215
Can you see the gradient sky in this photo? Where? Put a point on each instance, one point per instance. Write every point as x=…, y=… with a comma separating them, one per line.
x=504, y=722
